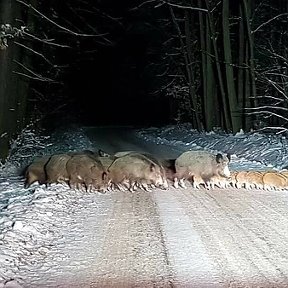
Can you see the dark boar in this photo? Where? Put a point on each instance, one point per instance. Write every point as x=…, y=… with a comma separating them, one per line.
x=134, y=170
x=200, y=166
x=55, y=169
x=36, y=172
x=88, y=171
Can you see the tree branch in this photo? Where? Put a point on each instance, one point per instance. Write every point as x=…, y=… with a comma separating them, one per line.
x=56, y=24
x=267, y=22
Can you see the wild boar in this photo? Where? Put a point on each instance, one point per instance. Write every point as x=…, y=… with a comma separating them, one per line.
x=200, y=166
x=36, y=172
x=85, y=170
x=136, y=170
x=164, y=165
x=275, y=180
x=242, y=180
x=167, y=166
x=55, y=169
x=232, y=178
x=249, y=179
x=255, y=178
x=218, y=181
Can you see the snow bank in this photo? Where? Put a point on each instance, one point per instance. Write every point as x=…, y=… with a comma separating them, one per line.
x=269, y=150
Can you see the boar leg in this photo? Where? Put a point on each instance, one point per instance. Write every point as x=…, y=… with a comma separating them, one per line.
x=175, y=183
x=72, y=184
x=210, y=184
x=259, y=186
x=120, y=187
x=182, y=183
x=146, y=187
x=197, y=180
x=132, y=186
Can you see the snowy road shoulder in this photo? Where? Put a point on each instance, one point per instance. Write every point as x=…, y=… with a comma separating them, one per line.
x=251, y=150
x=30, y=224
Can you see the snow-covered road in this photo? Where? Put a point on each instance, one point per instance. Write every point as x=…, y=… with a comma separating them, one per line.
x=57, y=237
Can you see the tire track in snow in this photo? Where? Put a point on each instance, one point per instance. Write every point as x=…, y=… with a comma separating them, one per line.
x=261, y=230
x=191, y=265
x=134, y=249
x=232, y=242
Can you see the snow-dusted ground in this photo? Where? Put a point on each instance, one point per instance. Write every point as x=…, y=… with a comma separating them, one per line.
x=57, y=237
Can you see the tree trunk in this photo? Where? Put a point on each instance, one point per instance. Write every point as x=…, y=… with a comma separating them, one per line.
x=230, y=83
x=223, y=99
x=189, y=78
x=13, y=90
x=241, y=63
x=210, y=104
x=247, y=13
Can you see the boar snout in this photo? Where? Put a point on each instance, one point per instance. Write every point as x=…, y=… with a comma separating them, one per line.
x=226, y=172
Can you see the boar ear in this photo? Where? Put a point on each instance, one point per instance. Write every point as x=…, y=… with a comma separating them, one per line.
x=219, y=157
x=104, y=176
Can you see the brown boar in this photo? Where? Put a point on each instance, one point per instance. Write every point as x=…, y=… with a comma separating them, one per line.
x=219, y=181
x=255, y=178
x=55, y=169
x=241, y=180
x=85, y=170
x=36, y=172
x=158, y=162
x=167, y=164
x=200, y=166
x=275, y=180
x=136, y=170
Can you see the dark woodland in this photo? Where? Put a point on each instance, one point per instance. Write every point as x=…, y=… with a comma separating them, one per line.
x=215, y=64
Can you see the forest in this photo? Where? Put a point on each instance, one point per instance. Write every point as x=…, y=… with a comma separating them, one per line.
x=217, y=64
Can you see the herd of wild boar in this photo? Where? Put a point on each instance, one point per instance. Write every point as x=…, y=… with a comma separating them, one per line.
x=131, y=170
